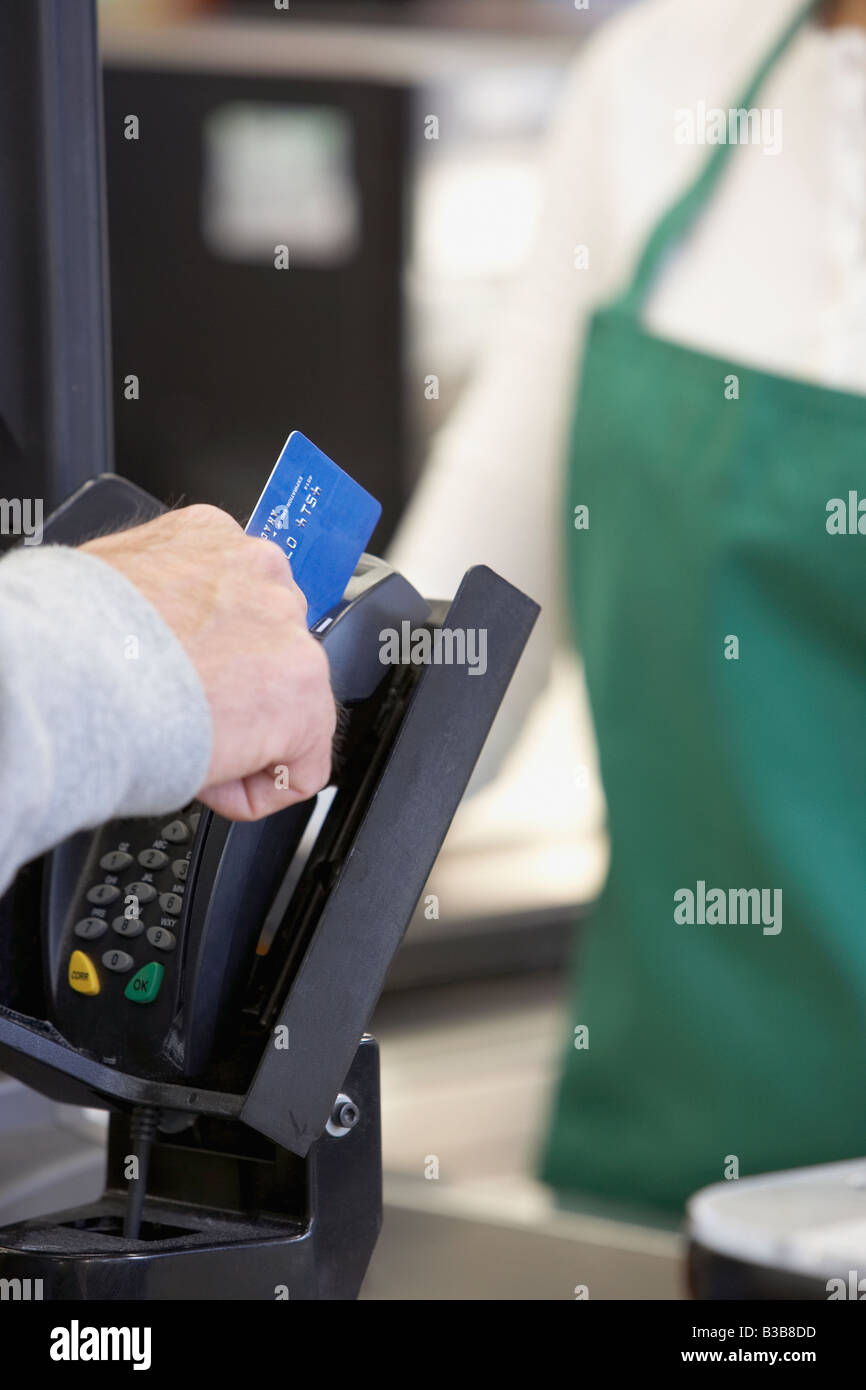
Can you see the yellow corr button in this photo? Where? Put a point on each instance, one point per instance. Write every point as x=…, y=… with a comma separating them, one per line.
x=82, y=973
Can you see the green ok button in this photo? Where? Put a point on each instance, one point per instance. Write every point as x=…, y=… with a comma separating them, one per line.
x=144, y=987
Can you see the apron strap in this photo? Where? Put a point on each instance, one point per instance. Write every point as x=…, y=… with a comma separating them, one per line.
x=676, y=221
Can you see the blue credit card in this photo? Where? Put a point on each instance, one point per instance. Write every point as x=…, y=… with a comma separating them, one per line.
x=320, y=517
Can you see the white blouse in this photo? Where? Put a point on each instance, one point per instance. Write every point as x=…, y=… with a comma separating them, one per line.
x=772, y=274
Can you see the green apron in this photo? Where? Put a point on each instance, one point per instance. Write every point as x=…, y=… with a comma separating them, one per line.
x=714, y=1049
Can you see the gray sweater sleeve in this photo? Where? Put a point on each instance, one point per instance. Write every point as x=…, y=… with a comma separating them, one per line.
x=101, y=711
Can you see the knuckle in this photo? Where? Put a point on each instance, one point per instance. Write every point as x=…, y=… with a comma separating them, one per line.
x=260, y=805
x=267, y=556
x=314, y=777
x=314, y=769
x=308, y=667
x=206, y=514
x=302, y=784
x=296, y=596
x=320, y=666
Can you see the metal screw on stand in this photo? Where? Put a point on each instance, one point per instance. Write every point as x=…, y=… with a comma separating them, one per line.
x=344, y=1116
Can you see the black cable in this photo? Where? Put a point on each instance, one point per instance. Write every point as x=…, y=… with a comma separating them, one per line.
x=142, y=1130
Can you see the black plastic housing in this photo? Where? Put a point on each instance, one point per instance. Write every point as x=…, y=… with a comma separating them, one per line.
x=227, y=1217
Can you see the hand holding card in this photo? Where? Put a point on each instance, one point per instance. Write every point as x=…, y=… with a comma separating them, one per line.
x=320, y=517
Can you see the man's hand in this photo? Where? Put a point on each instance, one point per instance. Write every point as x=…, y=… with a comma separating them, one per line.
x=232, y=603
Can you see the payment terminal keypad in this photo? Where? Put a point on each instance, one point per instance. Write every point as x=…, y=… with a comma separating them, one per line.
x=120, y=949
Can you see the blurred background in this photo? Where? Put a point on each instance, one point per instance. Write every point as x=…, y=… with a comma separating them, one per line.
x=314, y=130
